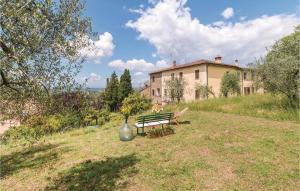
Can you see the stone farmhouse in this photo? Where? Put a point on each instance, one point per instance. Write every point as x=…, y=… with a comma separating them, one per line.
x=204, y=72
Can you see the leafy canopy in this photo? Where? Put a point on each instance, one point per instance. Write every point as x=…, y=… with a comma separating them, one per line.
x=39, y=49
x=111, y=95
x=125, y=85
x=205, y=91
x=278, y=72
x=175, y=88
x=230, y=84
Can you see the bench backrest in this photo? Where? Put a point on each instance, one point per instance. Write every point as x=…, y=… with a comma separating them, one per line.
x=154, y=117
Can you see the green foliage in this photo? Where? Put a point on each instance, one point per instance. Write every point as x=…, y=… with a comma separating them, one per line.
x=230, y=84
x=275, y=107
x=21, y=133
x=99, y=117
x=69, y=102
x=40, y=43
x=278, y=72
x=175, y=88
x=126, y=110
x=111, y=95
x=205, y=91
x=37, y=126
x=125, y=87
x=136, y=103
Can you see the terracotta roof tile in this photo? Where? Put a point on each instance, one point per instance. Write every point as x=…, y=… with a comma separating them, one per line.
x=198, y=62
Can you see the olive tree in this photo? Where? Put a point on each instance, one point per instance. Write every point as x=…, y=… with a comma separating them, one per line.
x=175, y=88
x=278, y=71
x=205, y=91
x=230, y=84
x=40, y=43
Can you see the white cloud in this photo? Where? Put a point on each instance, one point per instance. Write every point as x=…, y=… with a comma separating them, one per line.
x=162, y=64
x=219, y=23
x=191, y=40
x=138, y=73
x=228, y=13
x=103, y=47
x=138, y=65
x=92, y=80
x=94, y=77
x=134, y=64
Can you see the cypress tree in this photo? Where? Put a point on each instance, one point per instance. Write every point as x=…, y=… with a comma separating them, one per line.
x=125, y=87
x=111, y=92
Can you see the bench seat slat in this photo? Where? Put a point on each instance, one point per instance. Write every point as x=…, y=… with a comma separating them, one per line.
x=140, y=125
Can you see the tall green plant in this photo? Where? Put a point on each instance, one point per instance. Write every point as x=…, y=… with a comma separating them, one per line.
x=205, y=91
x=39, y=43
x=111, y=96
x=125, y=87
x=175, y=88
x=230, y=84
x=278, y=72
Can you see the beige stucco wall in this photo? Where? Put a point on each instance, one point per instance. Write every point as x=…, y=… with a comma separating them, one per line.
x=249, y=82
x=215, y=74
x=145, y=92
x=154, y=85
x=189, y=78
x=209, y=74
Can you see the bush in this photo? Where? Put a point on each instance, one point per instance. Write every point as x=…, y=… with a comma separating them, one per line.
x=230, y=84
x=137, y=102
x=20, y=133
x=37, y=126
x=96, y=116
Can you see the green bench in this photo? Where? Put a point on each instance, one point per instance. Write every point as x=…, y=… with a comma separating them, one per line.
x=152, y=120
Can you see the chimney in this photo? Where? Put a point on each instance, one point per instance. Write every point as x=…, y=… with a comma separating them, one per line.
x=174, y=63
x=236, y=62
x=218, y=59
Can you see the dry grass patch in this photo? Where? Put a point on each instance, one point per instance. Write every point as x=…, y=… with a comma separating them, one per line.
x=214, y=152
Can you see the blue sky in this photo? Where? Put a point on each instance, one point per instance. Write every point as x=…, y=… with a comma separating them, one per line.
x=146, y=35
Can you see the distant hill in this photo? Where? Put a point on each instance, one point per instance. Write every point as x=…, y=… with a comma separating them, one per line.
x=95, y=89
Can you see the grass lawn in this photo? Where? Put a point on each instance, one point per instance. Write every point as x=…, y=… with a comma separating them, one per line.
x=275, y=107
x=215, y=151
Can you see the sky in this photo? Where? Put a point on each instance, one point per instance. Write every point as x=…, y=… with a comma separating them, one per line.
x=145, y=35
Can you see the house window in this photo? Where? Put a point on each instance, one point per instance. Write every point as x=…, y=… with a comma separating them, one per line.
x=180, y=75
x=245, y=75
x=153, y=78
x=196, y=74
x=252, y=90
x=172, y=76
x=153, y=92
x=165, y=92
x=246, y=90
x=197, y=94
x=158, y=92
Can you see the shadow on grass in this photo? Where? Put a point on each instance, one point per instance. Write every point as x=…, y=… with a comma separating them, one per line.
x=31, y=157
x=97, y=175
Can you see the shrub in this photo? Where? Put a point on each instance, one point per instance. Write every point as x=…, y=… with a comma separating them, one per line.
x=37, y=126
x=205, y=91
x=278, y=72
x=230, y=84
x=137, y=102
x=21, y=133
x=98, y=116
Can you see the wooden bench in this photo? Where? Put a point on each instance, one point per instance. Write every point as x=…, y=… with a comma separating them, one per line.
x=152, y=120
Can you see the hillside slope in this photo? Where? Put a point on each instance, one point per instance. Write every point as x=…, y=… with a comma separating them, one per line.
x=209, y=151
x=267, y=106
